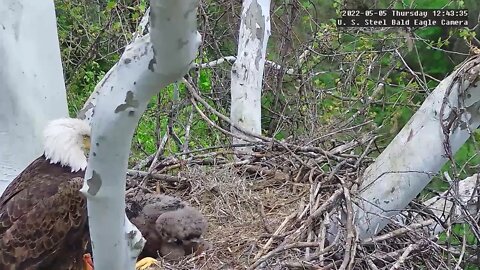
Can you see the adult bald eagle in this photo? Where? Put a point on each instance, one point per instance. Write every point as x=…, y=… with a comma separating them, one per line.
x=43, y=216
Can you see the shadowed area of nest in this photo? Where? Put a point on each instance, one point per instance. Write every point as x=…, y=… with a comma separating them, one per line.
x=172, y=227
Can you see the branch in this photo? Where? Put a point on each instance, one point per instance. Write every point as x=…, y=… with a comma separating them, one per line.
x=232, y=59
x=150, y=63
x=418, y=151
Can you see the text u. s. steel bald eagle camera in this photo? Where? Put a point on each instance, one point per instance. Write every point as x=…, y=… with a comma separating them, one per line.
x=43, y=215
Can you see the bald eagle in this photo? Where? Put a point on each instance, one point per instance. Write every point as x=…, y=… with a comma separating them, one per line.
x=43, y=216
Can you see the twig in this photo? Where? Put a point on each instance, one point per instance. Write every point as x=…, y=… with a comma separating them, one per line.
x=324, y=207
x=303, y=265
x=322, y=236
x=143, y=162
x=362, y=156
x=462, y=253
x=333, y=198
x=312, y=202
x=350, y=244
x=371, y=264
x=172, y=116
x=157, y=176
x=422, y=83
x=155, y=158
x=286, y=247
x=263, y=171
x=351, y=145
x=276, y=233
x=187, y=134
x=404, y=256
x=210, y=122
x=232, y=59
x=398, y=232
x=267, y=228
x=323, y=137
x=320, y=252
x=217, y=147
x=226, y=119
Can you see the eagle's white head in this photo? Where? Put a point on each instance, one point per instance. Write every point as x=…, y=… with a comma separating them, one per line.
x=67, y=141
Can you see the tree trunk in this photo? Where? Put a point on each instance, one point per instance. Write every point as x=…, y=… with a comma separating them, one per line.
x=418, y=152
x=247, y=71
x=451, y=208
x=32, y=90
x=148, y=64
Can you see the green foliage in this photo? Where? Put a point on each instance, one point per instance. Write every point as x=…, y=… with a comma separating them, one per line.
x=456, y=238
x=85, y=80
x=91, y=37
x=145, y=134
x=205, y=80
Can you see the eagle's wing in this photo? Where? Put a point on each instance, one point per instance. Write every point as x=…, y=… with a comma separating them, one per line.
x=42, y=218
x=31, y=178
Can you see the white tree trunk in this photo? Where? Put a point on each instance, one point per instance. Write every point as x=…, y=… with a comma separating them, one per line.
x=464, y=204
x=147, y=65
x=247, y=71
x=406, y=166
x=32, y=90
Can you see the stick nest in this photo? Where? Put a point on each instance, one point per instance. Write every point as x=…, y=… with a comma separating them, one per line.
x=273, y=209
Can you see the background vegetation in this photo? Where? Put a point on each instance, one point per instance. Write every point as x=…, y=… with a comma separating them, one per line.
x=330, y=86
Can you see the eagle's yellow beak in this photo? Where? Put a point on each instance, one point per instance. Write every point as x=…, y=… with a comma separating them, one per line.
x=86, y=144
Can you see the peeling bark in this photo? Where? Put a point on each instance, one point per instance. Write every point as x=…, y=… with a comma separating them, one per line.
x=247, y=71
x=149, y=64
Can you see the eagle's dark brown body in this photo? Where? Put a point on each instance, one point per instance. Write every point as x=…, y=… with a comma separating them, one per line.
x=43, y=219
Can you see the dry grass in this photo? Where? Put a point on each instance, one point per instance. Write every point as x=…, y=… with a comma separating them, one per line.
x=243, y=213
